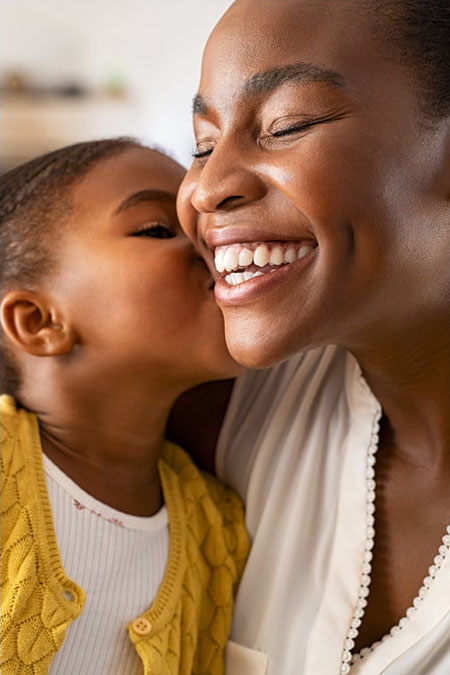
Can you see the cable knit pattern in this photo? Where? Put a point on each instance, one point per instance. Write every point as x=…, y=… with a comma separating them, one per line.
x=35, y=613
x=191, y=615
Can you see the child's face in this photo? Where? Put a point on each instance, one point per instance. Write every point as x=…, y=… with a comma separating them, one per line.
x=132, y=286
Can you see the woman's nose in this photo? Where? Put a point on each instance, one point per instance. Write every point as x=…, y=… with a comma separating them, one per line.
x=226, y=182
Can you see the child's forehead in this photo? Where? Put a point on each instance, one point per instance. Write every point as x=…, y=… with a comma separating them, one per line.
x=117, y=178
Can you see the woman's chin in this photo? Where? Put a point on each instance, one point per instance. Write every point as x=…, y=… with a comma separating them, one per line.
x=254, y=351
x=258, y=343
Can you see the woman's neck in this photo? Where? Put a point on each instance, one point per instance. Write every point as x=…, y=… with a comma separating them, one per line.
x=412, y=383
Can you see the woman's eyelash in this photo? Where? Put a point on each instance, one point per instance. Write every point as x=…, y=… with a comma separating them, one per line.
x=156, y=231
x=295, y=128
x=198, y=154
x=306, y=124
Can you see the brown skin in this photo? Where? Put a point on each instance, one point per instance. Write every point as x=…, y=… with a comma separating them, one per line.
x=369, y=181
x=125, y=324
x=199, y=435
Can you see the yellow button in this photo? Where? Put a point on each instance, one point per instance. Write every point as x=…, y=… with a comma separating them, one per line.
x=142, y=626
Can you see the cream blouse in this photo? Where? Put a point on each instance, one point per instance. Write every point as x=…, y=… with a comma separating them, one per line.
x=299, y=445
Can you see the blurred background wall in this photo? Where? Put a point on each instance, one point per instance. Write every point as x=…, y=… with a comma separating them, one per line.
x=75, y=70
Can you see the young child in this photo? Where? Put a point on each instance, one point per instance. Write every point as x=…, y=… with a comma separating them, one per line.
x=118, y=555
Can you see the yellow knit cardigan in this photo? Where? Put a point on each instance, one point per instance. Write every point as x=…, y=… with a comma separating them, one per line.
x=186, y=628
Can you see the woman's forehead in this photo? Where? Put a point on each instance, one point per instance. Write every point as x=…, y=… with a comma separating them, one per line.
x=257, y=35
x=335, y=37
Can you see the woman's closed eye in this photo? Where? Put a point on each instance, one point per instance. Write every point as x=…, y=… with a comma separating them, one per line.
x=155, y=231
x=289, y=128
x=284, y=130
x=201, y=153
x=293, y=129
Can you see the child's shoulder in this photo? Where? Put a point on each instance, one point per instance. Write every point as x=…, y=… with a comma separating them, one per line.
x=211, y=508
x=196, y=483
x=11, y=451
x=8, y=412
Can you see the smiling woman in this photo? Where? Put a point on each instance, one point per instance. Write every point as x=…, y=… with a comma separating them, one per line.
x=305, y=146
x=319, y=194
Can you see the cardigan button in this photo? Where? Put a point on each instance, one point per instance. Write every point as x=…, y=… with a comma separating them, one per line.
x=68, y=595
x=142, y=626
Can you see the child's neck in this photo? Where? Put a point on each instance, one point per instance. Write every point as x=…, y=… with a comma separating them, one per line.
x=108, y=442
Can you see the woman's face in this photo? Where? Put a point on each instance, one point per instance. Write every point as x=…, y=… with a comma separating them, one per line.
x=317, y=186
x=130, y=282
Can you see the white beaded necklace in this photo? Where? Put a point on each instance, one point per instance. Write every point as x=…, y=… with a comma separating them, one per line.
x=348, y=658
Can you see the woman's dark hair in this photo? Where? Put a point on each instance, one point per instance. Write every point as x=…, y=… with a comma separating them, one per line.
x=419, y=33
x=34, y=204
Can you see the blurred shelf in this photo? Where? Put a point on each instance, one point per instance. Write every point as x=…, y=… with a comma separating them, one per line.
x=30, y=125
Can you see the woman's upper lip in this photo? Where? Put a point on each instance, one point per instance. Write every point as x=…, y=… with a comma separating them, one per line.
x=235, y=234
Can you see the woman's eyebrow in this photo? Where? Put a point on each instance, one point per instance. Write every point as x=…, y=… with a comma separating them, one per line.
x=267, y=81
x=146, y=196
x=300, y=73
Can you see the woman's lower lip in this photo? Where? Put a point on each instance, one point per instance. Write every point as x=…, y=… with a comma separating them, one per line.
x=251, y=290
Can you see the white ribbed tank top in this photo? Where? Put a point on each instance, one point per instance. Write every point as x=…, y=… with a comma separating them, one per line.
x=119, y=561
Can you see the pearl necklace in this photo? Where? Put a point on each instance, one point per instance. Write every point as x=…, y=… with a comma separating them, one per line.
x=348, y=658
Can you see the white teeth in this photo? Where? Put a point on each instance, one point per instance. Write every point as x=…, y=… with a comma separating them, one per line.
x=218, y=260
x=290, y=256
x=261, y=256
x=237, y=278
x=304, y=251
x=245, y=257
x=231, y=259
x=276, y=256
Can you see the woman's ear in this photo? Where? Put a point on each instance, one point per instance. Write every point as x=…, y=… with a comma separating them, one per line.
x=34, y=326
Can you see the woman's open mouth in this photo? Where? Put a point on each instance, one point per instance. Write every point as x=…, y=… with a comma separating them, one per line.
x=250, y=269
x=239, y=263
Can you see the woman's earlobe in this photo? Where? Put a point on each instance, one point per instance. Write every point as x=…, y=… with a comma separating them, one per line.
x=33, y=326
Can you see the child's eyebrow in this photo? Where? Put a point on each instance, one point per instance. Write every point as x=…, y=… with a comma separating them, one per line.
x=146, y=196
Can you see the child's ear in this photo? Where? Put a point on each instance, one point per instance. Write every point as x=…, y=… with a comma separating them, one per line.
x=34, y=325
